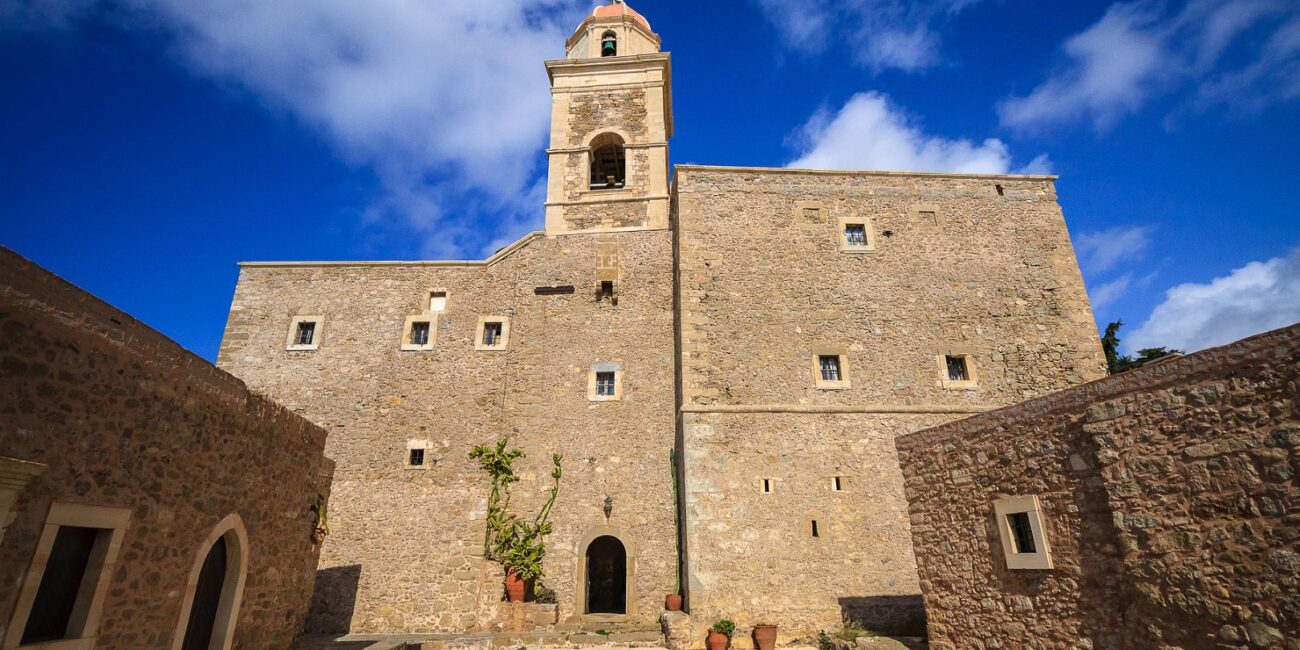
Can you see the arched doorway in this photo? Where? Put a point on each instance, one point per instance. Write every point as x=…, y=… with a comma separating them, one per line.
x=606, y=576
x=207, y=597
x=214, y=590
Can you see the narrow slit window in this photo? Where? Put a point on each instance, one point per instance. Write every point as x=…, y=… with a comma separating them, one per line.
x=306, y=334
x=855, y=234
x=767, y=486
x=1021, y=532
x=492, y=333
x=830, y=367
x=837, y=484
x=605, y=384
x=417, y=458
x=420, y=333
x=815, y=532
x=957, y=370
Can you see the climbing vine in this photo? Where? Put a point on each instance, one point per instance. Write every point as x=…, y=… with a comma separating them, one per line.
x=516, y=543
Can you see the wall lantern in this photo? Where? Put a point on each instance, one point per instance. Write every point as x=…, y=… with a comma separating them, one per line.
x=609, y=506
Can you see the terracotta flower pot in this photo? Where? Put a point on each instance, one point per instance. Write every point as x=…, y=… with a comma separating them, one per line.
x=515, y=587
x=673, y=603
x=718, y=641
x=765, y=637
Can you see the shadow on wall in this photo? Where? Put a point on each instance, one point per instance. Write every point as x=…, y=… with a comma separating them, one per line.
x=890, y=615
x=334, y=600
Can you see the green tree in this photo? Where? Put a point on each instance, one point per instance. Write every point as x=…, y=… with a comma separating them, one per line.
x=1117, y=363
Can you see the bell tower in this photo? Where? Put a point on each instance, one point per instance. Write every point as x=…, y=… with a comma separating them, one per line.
x=611, y=117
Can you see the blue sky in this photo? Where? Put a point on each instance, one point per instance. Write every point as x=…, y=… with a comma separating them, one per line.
x=146, y=146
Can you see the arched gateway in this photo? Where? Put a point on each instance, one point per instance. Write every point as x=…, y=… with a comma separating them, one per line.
x=606, y=576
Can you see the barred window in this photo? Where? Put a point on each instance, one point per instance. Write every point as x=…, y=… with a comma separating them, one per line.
x=830, y=367
x=306, y=333
x=420, y=333
x=492, y=333
x=855, y=234
x=957, y=370
x=605, y=384
x=417, y=457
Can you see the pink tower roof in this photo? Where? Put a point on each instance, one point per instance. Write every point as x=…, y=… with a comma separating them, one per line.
x=619, y=9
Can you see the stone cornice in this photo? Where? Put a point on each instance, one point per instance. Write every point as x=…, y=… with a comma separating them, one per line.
x=849, y=172
x=496, y=257
x=834, y=408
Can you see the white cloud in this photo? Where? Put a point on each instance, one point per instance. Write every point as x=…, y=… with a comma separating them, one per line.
x=880, y=34
x=1142, y=49
x=445, y=100
x=1254, y=298
x=1100, y=251
x=868, y=132
x=1107, y=293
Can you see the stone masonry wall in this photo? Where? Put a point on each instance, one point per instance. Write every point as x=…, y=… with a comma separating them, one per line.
x=406, y=554
x=1169, y=495
x=123, y=417
x=764, y=285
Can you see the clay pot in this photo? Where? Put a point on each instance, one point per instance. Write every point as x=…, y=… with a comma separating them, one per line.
x=673, y=603
x=718, y=641
x=515, y=587
x=765, y=637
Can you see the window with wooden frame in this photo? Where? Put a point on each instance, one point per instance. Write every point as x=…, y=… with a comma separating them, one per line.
x=305, y=333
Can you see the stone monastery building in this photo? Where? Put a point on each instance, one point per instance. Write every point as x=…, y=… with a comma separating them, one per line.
x=723, y=356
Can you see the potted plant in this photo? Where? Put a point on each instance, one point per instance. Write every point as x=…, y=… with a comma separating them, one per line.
x=720, y=634
x=673, y=602
x=765, y=636
x=518, y=545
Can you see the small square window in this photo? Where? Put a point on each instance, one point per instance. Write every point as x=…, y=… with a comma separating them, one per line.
x=418, y=333
x=305, y=333
x=417, y=454
x=830, y=366
x=855, y=234
x=830, y=369
x=606, y=291
x=493, y=333
x=1022, y=533
x=957, y=368
x=438, y=300
x=957, y=371
x=605, y=383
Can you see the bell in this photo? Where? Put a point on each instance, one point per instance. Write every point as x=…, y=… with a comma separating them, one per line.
x=608, y=47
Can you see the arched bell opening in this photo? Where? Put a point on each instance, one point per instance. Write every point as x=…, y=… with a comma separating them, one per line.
x=608, y=162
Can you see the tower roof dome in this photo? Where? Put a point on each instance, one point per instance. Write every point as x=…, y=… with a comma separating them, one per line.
x=619, y=8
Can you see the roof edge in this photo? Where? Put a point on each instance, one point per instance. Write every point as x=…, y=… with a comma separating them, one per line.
x=864, y=172
x=496, y=257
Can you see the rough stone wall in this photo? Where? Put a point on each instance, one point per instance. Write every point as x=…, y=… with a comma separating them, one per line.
x=623, y=110
x=123, y=417
x=1169, y=494
x=763, y=284
x=406, y=554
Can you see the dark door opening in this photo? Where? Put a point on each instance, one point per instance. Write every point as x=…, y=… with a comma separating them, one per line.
x=606, y=576
x=207, y=597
